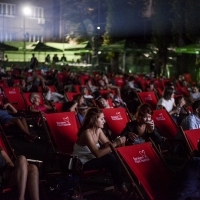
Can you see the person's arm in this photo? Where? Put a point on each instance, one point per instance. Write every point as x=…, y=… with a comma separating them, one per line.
x=10, y=107
x=192, y=123
x=103, y=139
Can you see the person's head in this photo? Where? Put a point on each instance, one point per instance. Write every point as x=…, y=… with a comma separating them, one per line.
x=102, y=103
x=195, y=89
x=144, y=113
x=94, y=118
x=180, y=101
x=196, y=107
x=168, y=93
x=35, y=98
x=79, y=98
x=151, y=85
x=131, y=79
x=84, y=91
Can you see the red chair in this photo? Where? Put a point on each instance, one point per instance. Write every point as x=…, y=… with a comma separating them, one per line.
x=165, y=124
x=148, y=97
x=70, y=95
x=192, y=137
x=116, y=119
x=119, y=81
x=145, y=168
x=14, y=96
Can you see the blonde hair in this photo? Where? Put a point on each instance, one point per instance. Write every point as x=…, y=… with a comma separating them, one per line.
x=32, y=97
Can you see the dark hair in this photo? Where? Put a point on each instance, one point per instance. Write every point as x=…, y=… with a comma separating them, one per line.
x=143, y=110
x=131, y=78
x=77, y=97
x=195, y=105
x=89, y=120
x=178, y=99
x=168, y=91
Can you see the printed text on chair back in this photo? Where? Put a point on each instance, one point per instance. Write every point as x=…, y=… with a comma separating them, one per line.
x=64, y=128
x=116, y=119
x=149, y=169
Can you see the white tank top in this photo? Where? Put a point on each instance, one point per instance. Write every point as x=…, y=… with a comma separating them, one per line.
x=84, y=153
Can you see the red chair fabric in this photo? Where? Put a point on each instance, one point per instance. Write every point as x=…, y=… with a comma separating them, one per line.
x=70, y=95
x=148, y=97
x=116, y=118
x=63, y=130
x=165, y=124
x=192, y=137
x=149, y=169
x=14, y=96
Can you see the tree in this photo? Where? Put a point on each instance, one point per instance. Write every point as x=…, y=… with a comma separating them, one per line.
x=161, y=33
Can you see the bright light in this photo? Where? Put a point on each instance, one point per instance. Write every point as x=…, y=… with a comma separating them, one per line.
x=99, y=52
x=98, y=27
x=27, y=11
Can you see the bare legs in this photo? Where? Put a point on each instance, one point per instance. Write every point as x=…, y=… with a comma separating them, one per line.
x=25, y=175
x=22, y=125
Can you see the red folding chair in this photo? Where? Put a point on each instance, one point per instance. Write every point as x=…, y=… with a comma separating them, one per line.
x=192, y=138
x=120, y=82
x=70, y=95
x=148, y=97
x=145, y=168
x=165, y=124
x=116, y=119
x=14, y=96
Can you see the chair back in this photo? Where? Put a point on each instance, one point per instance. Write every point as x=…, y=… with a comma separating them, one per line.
x=149, y=98
x=148, y=168
x=63, y=129
x=70, y=95
x=14, y=96
x=116, y=118
x=165, y=124
x=192, y=136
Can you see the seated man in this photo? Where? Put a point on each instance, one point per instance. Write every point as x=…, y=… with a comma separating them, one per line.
x=192, y=121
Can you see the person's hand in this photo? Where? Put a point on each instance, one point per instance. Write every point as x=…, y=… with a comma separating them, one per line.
x=132, y=136
x=150, y=125
x=120, y=141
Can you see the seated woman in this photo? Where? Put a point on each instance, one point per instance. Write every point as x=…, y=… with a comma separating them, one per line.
x=37, y=106
x=20, y=175
x=168, y=102
x=7, y=118
x=92, y=147
x=142, y=128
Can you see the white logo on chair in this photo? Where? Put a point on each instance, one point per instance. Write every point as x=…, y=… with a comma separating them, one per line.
x=160, y=117
x=12, y=92
x=117, y=116
x=65, y=122
x=149, y=98
x=142, y=158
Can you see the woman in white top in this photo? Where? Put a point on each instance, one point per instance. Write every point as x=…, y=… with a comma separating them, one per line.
x=168, y=102
x=92, y=147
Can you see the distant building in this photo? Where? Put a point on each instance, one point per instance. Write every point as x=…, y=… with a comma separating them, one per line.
x=37, y=25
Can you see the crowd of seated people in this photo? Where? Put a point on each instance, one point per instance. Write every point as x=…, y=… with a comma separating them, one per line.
x=140, y=130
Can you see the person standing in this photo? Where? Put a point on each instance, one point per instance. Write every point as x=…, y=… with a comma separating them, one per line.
x=63, y=58
x=34, y=62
